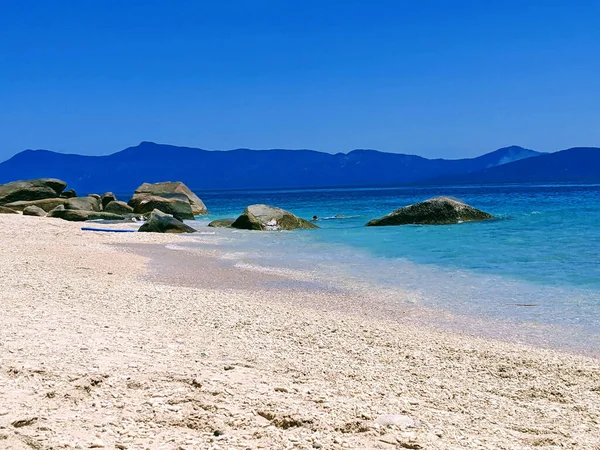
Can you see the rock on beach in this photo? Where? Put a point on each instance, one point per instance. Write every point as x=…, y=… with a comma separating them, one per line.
x=160, y=222
x=170, y=189
x=77, y=215
x=33, y=210
x=37, y=189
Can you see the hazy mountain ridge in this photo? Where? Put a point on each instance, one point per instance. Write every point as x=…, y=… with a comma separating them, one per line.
x=254, y=169
x=577, y=164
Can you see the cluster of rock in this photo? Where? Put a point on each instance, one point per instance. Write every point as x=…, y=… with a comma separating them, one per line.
x=164, y=206
x=48, y=197
x=173, y=198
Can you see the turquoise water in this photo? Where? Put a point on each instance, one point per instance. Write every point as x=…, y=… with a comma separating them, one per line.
x=536, y=264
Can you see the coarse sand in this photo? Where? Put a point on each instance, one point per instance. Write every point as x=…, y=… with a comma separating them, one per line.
x=103, y=345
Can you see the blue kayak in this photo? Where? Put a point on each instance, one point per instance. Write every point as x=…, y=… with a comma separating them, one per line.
x=107, y=230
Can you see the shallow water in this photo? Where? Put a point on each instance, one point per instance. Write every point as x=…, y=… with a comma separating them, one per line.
x=537, y=264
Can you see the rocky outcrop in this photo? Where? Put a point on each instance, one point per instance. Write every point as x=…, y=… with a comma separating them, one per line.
x=5, y=210
x=435, y=211
x=33, y=210
x=117, y=207
x=88, y=203
x=47, y=204
x=78, y=215
x=269, y=218
x=221, y=223
x=31, y=190
x=69, y=194
x=173, y=187
x=106, y=198
x=176, y=205
x=159, y=222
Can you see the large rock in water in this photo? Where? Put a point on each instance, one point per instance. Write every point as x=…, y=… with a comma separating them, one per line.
x=78, y=215
x=5, y=210
x=269, y=218
x=176, y=205
x=173, y=187
x=83, y=203
x=31, y=190
x=47, y=204
x=159, y=222
x=34, y=211
x=435, y=211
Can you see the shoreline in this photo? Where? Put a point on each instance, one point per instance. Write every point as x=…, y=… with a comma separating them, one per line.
x=186, y=265
x=96, y=348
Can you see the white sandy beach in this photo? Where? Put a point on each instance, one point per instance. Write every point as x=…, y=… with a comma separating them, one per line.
x=97, y=352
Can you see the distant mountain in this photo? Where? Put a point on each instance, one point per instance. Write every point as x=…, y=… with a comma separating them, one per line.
x=244, y=169
x=579, y=164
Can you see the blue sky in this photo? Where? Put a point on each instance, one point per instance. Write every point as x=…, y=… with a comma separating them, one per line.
x=436, y=78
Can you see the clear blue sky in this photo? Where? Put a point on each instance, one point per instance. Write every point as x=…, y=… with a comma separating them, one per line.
x=435, y=78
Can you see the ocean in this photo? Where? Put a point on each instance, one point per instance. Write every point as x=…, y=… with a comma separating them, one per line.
x=533, y=273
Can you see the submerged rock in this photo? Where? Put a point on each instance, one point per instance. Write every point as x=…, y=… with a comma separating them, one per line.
x=159, y=222
x=173, y=187
x=47, y=204
x=435, y=211
x=33, y=210
x=31, y=190
x=269, y=218
x=221, y=223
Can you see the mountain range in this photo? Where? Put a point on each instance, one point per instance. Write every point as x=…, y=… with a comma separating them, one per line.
x=201, y=169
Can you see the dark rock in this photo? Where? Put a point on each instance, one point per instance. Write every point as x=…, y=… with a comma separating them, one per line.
x=31, y=190
x=173, y=187
x=176, y=205
x=33, y=210
x=435, y=211
x=24, y=422
x=106, y=198
x=117, y=207
x=268, y=218
x=221, y=223
x=160, y=222
x=78, y=215
x=69, y=194
x=47, y=204
x=83, y=203
x=5, y=210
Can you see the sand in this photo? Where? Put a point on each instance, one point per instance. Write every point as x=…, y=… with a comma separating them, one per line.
x=103, y=345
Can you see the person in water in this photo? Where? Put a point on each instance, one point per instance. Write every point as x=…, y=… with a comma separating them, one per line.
x=315, y=218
